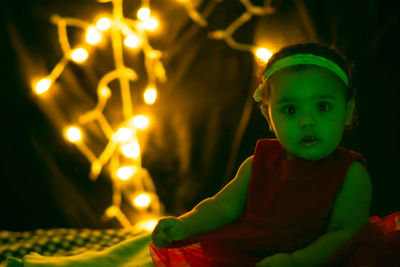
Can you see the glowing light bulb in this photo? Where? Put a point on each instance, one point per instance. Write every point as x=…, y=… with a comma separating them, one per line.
x=93, y=36
x=142, y=200
x=131, y=150
x=124, y=134
x=150, y=95
x=124, y=173
x=103, y=24
x=42, y=85
x=147, y=225
x=143, y=13
x=140, y=122
x=151, y=24
x=74, y=134
x=105, y=92
x=79, y=55
x=132, y=41
x=263, y=54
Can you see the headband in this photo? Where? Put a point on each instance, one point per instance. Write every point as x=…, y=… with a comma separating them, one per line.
x=299, y=59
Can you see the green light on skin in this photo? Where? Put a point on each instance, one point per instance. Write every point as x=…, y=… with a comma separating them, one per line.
x=305, y=101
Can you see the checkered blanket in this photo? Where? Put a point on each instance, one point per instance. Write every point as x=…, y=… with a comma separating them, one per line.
x=59, y=242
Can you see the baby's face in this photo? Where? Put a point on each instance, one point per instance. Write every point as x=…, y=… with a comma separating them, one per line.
x=309, y=101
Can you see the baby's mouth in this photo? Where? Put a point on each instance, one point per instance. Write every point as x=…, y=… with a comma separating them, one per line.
x=309, y=141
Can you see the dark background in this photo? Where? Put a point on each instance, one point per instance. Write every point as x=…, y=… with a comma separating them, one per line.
x=205, y=122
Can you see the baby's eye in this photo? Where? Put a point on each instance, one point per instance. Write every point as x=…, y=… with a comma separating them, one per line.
x=288, y=110
x=324, y=106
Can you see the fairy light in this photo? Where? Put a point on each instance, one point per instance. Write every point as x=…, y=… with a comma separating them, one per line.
x=132, y=41
x=124, y=140
x=131, y=150
x=263, y=54
x=151, y=24
x=42, y=85
x=125, y=173
x=146, y=225
x=93, y=36
x=74, y=134
x=143, y=13
x=124, y=134
x=142, y=200
x=103, y=24
x=105, y=92
x=79, y=55
x=150, y=95
x=140, y=122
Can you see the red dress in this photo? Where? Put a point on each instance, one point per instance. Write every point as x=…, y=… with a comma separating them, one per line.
x=288, y=207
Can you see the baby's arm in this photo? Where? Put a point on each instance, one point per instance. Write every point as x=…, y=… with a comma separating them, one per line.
x=350, y=212
x=225, y=207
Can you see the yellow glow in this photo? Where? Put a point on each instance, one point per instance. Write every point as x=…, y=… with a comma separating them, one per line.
x=112, y=211
x=143, y=13
x=79, y=55
x=103, y=24
x=132, y=41
x=140, y=122
x=131, y=150
x=105, y=92
x=155, y=54
x=124, y=173
x=96, y=167
x=93, y=36
x=263, y=54
x=150, y=95
x=142, y=200
x=42, y=86
x=74, y=134
x=124, y=134
x=147, y=225
x=151, y=24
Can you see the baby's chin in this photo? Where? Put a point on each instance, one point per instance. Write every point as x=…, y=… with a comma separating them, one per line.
x=308, y=153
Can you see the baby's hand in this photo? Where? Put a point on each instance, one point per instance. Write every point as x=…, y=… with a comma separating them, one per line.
x=167, y=230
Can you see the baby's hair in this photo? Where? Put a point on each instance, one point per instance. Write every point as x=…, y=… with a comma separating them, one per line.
x=318, y=49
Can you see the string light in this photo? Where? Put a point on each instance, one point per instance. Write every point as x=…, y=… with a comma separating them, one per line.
x=124, y=173
x=132, y=41
x=146, y=225
x=142, y=200
x=150, y=95
x=131, y=150
x=103, y=24
x=74, y=134
x=79, y=55
x=263, y=54
x=93, y=36
x=124, y=134
x=135, y=32
x=151, y=24
x=135, y=36
x=226, y=34
x=143, y=14
x=42, y=85
x=140, y=122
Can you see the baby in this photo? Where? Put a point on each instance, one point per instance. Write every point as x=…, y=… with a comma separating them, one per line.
x=300, y=196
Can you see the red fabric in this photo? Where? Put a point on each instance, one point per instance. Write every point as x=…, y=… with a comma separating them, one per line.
x=376, y=244
x=288, y=207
